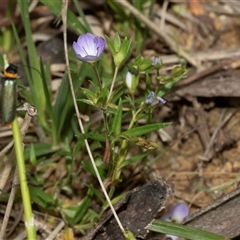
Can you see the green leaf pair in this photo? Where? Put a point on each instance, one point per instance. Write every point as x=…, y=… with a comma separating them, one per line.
x=119, y=48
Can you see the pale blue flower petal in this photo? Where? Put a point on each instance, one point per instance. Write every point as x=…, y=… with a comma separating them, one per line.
x=88, y=47
x=156, y=60
x=171, y=237
x=163, y=101
x=177, y=213
x=149, y=99
x=154, y=100
x=100, y=45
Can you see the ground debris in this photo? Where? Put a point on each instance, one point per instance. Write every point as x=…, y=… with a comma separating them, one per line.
x=135, y=211
x=220, y=217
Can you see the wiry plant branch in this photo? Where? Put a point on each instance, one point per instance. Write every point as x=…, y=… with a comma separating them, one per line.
x=64, y=19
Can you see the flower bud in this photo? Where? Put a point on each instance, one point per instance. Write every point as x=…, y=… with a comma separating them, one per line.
x=157, y=63
x=131, y=82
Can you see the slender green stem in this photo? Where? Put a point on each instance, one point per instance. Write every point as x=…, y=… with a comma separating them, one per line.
x=97, y=74
x=105, y=122
x=157, y=87
x=27, y=207
x=122, y=155
x=7, y=33
x=107, y=155
x=112, y=85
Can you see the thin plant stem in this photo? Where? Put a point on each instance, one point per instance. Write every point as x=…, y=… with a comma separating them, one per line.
x=6, y=172
x=112, y=85
x=107, y=153
x=9, y=165
x=27, y=207
x=122, y=155
x=106, y=156
x=97, y=74
x=64, y=19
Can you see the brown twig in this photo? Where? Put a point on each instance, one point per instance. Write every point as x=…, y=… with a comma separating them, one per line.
x=202, y=129
x=214, y=135
x=9, y=204
x=232, y=63
x=55, y=232
x=202, y=56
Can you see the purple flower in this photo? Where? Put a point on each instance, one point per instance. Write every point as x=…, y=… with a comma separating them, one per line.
x=149, y=98
x=171, y=237
x=157, y=63
x=154, y=100
x=156, y=60
x=163, y=101
x=176, y=214
x=88, y=47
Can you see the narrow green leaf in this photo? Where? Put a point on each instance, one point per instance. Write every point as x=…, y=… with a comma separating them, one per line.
x=118, y=93
x=89, y=94
x=182, y=231
x=138, y=131
x=62, y=104
x=89, y=102
x=110, y=45
x=117, y=121
x=72, y=20
x=134, y=159
x=92, y=135
x=40, y=149
x=128, y=235
x=97, y=193
x=45, y=74
x=63, y=107
x=87, y=165
x=41, y=198
x=117, y=9
x=83, y=207
x=102, y=97
x=117, y=43
x=37, y=85
x=24, y=62
x=69, y=213
x=46, y=89
x=167, y=86
x=33, y=158
x=82, y=15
